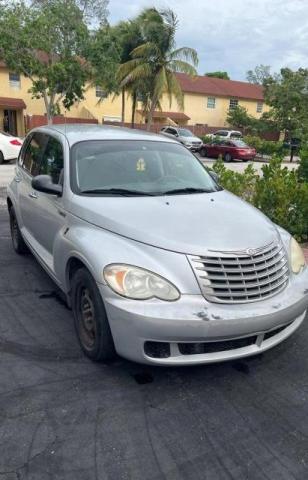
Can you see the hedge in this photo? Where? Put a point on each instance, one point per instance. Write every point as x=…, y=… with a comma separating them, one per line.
x=281, y=194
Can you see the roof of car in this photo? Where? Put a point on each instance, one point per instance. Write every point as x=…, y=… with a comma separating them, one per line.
x=85, y=131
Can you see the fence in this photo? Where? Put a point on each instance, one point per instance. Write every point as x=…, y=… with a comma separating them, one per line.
x=32, y=121
x=198, y=130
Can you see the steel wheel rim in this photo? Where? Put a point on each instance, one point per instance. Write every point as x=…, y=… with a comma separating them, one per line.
x=87, y=322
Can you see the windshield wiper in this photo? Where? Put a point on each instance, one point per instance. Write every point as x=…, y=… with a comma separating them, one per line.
x=187, y=190
x=118, y=191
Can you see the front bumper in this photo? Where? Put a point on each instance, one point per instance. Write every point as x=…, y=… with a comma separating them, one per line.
x=248, y=156
x=192, y=319
x=193, y=148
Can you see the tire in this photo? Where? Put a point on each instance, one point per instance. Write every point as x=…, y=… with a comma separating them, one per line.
x=203, y=152
x=228, y=157
x=1, y=158
x=18, y=242
x=91, y=322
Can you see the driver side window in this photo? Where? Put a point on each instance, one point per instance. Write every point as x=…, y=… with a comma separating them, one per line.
x=52, y=161
x=31, y=159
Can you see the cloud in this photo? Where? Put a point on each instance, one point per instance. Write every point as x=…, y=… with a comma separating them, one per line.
x=235, y=36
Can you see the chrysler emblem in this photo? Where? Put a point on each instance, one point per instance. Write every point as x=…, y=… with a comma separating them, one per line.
x=250, y=251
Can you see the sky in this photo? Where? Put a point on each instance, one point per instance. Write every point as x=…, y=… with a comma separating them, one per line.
x=234, y=35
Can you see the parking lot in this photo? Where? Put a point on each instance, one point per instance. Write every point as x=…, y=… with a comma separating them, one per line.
x=63, y=417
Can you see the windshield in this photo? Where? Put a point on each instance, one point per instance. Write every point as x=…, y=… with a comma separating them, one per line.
x=185, y=133
x=137, y=167
x=240, y=143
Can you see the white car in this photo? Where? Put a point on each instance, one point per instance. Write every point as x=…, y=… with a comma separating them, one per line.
x=184, y=136
x=227, y=134
x=9, y=146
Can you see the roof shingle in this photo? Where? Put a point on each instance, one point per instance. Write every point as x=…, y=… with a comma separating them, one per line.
x=219, y=87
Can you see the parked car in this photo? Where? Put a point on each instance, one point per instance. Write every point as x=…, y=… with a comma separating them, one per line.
x=184, y=136
x=226, y=134
x=157, y=261
x=229, y=150
x=9, y=146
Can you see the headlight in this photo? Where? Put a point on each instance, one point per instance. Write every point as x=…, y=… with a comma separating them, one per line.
x=139, y=284
x=188, y=144
x=296, y=256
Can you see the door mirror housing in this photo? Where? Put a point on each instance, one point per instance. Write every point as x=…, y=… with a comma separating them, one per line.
x=43, y=183
x=213, y=175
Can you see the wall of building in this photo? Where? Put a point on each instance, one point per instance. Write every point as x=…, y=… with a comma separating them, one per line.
x=90, y=107
x=195, y=105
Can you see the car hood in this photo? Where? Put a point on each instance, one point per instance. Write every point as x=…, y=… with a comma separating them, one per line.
x=190, y=224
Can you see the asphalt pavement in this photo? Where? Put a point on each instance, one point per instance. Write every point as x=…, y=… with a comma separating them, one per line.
x=63, y=417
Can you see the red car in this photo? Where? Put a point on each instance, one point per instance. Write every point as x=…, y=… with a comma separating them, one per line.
x=228, y=149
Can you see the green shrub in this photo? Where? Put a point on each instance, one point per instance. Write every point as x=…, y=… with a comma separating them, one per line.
x=266, y=147
x=241, y=184
x=206, y=138
x=283, y=198
x=280, y=193
x=303, y=166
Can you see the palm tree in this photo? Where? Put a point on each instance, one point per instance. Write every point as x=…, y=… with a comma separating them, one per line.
x=129, y=37
x=156, y=61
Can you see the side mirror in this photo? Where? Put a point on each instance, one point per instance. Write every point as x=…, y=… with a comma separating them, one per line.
x=213, y=175
x=43, y=183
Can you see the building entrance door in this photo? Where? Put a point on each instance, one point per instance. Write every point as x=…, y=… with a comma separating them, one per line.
x=10, y=122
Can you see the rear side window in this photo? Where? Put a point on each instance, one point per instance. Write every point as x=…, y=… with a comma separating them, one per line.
x=33, y=153
x=52, y=160
x=171, y=130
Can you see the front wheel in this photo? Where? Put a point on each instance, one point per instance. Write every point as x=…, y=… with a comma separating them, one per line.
x=1, y=158
x=228, y=157
x=203, y=152
x=91, y=322
x=18, y=242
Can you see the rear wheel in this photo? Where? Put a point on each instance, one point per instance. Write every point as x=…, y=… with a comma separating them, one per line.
x=203, y=152
x=1, y=158
x=228, y=157
x=91, y=322
x=18, y=242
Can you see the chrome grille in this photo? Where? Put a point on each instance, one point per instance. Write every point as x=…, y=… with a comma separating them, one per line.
x=243, y=276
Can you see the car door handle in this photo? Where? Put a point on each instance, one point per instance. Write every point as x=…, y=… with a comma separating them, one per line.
x=17, y=179
x=33, y=195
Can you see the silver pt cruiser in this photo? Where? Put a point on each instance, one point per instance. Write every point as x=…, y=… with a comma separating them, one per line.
x=157, y=261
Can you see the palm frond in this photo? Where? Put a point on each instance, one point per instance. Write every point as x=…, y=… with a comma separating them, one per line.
x=160, y=84
x=148, y=49
x=179, y=66
x=126, y=68
x=174, y=88
x=185, y=53
x=140, y=72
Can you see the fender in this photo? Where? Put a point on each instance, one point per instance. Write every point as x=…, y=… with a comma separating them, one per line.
x=96, y=248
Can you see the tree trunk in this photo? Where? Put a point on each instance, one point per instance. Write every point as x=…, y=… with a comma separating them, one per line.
x=123, y=106
x=150, y=114
x=134, y=103
x=49, y=108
